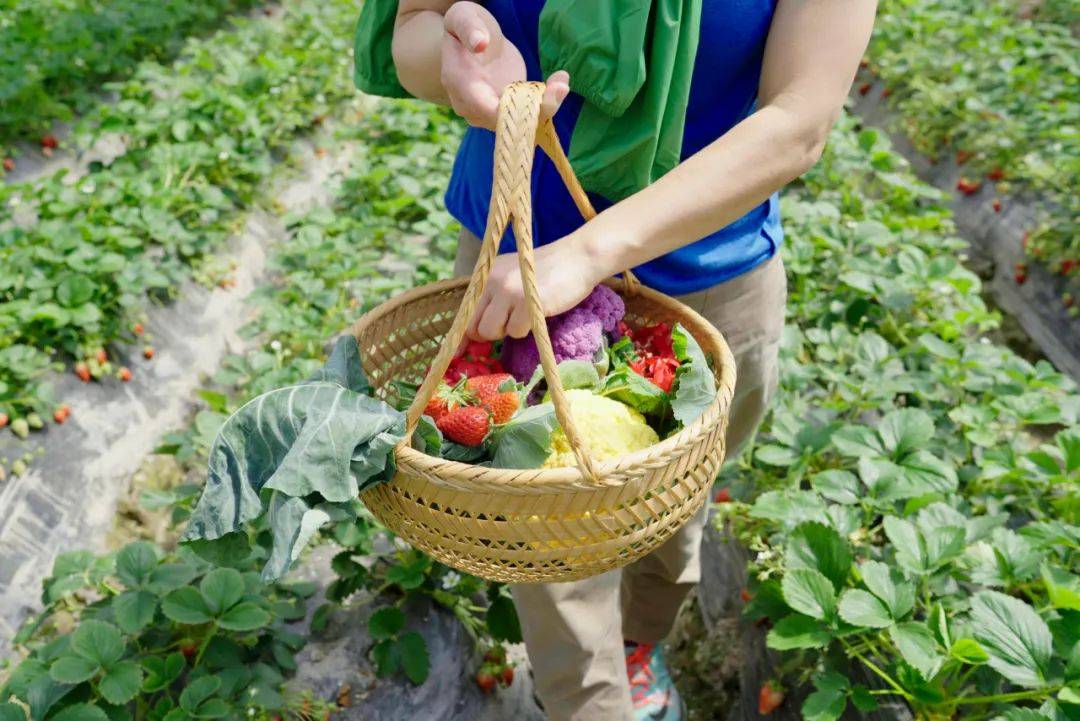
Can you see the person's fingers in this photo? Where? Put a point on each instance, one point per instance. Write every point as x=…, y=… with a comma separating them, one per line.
x=466, y=22
x=519, y=326
x=558, y=87
x=492, y=325
x=481, y=306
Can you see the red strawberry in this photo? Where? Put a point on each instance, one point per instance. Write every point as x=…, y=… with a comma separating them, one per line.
x=745, y=596
x=49, y=141
x=137, y=329
x=9, y=164
x=4, y=420
x=148, y=352
x=962, y=156
x=1067, y=266
x=496, y=654
x=968, y=187
x=1020, y=273
x=864, y=63
x=722, y=496
x=83, y=372
x=59, y=416
x=502, y=404
x=65, y=409
x=487, y=386
x=886, y=92
x=468, y=425
x=100, y=355
x=507, y=675
x=124, y=374
x=864, y=88
x=485, y=681
x=189, y=650
x=770, y=697
x=448, y=398
x=996, y=174
x=997, y=205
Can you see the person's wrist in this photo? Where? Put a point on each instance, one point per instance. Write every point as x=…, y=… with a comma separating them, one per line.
x=603, y=245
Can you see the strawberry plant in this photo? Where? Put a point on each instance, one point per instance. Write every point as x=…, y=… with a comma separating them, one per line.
x=1009, y=84
x=917, y=507
x=202, y=135
x=141, y=633
x=54, y=55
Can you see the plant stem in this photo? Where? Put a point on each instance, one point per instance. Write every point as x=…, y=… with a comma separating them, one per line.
x=1046, y=692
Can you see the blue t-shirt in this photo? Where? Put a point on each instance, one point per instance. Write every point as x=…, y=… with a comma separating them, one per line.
x=723, y=91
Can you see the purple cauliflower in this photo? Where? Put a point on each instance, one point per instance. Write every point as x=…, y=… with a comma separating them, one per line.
x=576, y=334
x=605, y=304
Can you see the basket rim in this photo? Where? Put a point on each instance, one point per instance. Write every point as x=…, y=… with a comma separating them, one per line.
x=484, y=478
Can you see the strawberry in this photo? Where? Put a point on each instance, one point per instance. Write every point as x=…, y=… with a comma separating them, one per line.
x=468, y=425
x=4, y=420
x=1067, y=266
x=485, y=681
x=886, y=92
x=997, y=205
x=864, y=88
x=49, y=141
x=496, y=654
x=968, y=187
x=100, y=356
x=487, y=386
x=124, y=374
x=59, y=416
x=9, y=164
x=502, y=404
x=996, y=174
x=770, y=697
x=137, y=329
x=1020, y=273
x=448, y=398
x=83, y=372
x=722, y=496
x=507, y=676
x=745, y=596
x=962, y=156
x=148, y=352
x=65, y=409
x=189, y=650
x=864, y=63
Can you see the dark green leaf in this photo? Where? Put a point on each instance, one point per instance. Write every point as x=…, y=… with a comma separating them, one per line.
x=889, y=586
x=863, y=609
x=221, y=589
x=73, y=669
x=626, y=386
x=134, y=610
x=11, y=712
x=121, y=682
x=819, y=547
x=80, y=712
x=135, y=562
x=412, y=650
x=797, y=631
x=244, y=616
x=98, y=641
x=918, y=647
x=197, y=692
x=809, y=592
x=386, y=622
x=502, y=620
x=525, y=441
x=186, y=605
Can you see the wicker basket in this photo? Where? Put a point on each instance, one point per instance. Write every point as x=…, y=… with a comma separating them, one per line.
x=534, y=525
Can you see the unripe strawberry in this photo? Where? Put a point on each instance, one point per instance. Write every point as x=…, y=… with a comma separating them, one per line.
x=35, y=421
x=20, y=427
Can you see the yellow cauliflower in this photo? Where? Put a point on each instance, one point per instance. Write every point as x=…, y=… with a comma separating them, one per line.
x=609, y=427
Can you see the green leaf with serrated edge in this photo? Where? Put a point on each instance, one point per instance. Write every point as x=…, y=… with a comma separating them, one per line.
x=244, y=616
x=968, y=650
x=789, y=507
x=386, y=622
x=857, y=442
x=186, y=605
x=502, y=620
x=863, y=609
x=908, y=543
x=80, y=712
x=73, y=669
x=1016, y=638
x=918, y=647
x=1062, y=587
x=819, y=547
x=809, y=592
x=905, y=430
x=134, y=563
x=938, y=623
x=824, y=705
x=134, y=610
x=221, y=589
x=695, y=386
x=863, y=700
x=197, y=692
x=385, y=655
x=169, y=576
x=213, y=708
x=797, y=631
x=413, y=653
x=525, y=440
x=889, y=586
x=626, y=386
x=837, y=486
x=121, y=682
x=98, y=641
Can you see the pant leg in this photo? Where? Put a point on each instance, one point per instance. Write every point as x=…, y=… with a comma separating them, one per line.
x=749, y=311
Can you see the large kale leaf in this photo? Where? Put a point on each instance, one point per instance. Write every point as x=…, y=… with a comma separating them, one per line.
x=298, y=456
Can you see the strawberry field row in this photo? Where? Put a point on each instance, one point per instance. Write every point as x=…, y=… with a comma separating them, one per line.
x=913, y=507
x=972, y=79
x=79, y=260
x=54, y=55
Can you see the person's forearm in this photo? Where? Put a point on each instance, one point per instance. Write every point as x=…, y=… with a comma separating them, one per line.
x=417, y=51
x=708, y=190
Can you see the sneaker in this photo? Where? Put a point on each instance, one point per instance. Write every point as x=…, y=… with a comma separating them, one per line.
x=652, y=691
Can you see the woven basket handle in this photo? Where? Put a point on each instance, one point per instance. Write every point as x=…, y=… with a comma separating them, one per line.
x=517, y=131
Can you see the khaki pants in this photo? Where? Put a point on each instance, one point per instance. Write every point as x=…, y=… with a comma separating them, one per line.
x=574, y=631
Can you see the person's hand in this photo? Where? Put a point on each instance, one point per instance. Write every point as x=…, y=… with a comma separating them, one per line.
x=565, y=274
x=478, y=62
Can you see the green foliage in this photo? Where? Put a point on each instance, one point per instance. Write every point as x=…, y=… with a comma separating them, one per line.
x=1009, y=86
x=156, y=635
x=54, y=55
x=202, y=136
x=918, y=487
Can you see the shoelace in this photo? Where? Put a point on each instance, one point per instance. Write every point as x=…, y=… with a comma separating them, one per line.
x=639, y=673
